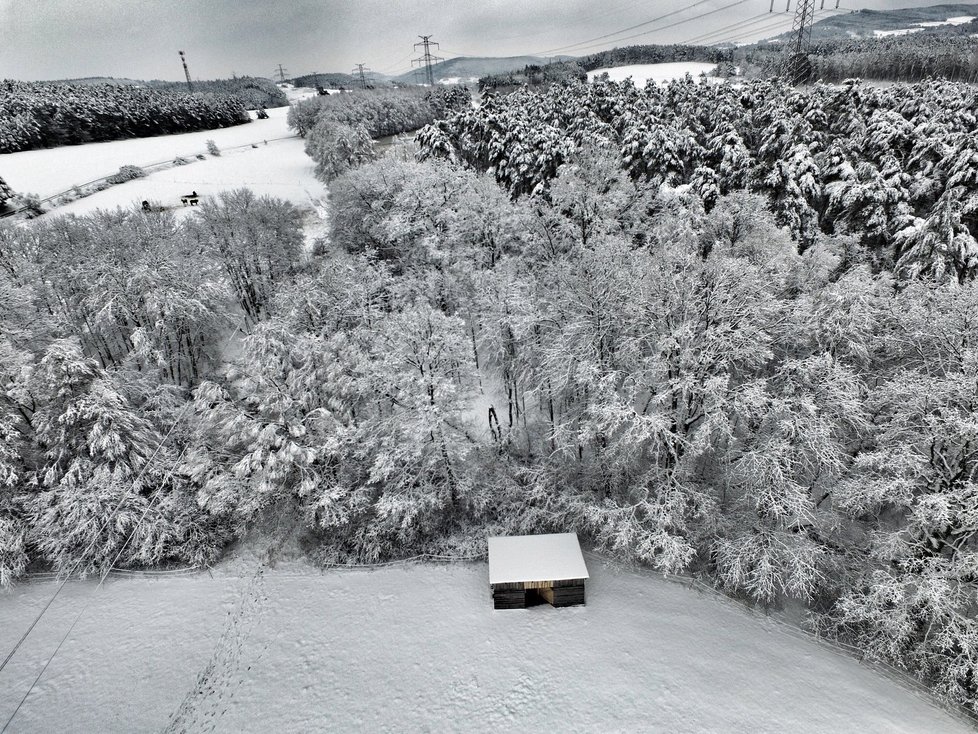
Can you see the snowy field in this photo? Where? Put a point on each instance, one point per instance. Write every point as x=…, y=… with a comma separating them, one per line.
x=957, y=20
x=658, y=73
x=448, y=80
x=278, y=166
x=53, y=170
x=418, y=648
x=281, y=169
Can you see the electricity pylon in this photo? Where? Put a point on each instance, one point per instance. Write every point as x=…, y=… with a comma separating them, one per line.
x=186, y=71
x=361, y=71
x=798, y=69
x=426, y=59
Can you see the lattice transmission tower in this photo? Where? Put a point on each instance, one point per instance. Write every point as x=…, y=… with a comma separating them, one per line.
x=186, y=71
x=361, y=72
x=426, y=58
x=798, y=69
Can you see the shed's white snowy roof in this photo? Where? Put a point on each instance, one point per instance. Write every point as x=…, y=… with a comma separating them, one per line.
x=555, y=557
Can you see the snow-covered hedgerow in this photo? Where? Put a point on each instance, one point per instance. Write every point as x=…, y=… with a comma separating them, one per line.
x=126, y=173
x=49, y=114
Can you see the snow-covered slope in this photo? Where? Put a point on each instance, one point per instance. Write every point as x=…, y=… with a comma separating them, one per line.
x=420, y=649
x=281, y=169
x=278, y=166
x=53, y=170
x=959, y=20
x=658, y=73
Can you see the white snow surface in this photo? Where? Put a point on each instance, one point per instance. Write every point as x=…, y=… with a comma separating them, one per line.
x=448, y=80
x=897, y=32
x=53, y=170
x=420, y=649
x=280, y=169
x=658, y=73
x=552, y=557
x=957, y=20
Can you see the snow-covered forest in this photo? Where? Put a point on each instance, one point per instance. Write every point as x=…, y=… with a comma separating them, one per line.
x=895, y=170
x=715, y=330
x=252, y=92
x=903, y=58
x=48, y=114
x=340, y=129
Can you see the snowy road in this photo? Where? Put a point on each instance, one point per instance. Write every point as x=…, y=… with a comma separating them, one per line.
x=419, y=649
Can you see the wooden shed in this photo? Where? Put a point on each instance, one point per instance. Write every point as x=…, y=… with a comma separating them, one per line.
x=527, y=569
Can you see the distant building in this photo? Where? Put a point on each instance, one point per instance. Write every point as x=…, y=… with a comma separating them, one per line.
x=529, y=569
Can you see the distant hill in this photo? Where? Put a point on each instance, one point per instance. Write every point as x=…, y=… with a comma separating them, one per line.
x=103, y=80
x=864, y=23
x=465, y=68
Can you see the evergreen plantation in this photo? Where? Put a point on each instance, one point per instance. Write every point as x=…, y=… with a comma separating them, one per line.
x=49, y=114
x=894, y=169
x=712, y=329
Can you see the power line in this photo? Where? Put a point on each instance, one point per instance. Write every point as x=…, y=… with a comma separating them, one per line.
x=91, y=598
x=591, y=41
x=777, y=26
x=654, y=30
x=397, y=64
x=757, y=24
x=719, y=32
x=115, y=560
x=108, y=520
x=750, y=27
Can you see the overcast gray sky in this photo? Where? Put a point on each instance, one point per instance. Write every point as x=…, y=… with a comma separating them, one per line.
x=57, y=39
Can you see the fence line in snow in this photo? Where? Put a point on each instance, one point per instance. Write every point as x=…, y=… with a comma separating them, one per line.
x=161, y=165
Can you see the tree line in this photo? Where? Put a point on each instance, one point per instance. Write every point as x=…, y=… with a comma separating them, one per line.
x=251, y=91
x=340, y=129
x=908, y=58
x=49, y=114
x=568, y=70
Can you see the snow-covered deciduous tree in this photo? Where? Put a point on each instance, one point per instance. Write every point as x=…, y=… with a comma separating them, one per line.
x=257, y=241
x=793, y=442
x=336, y=148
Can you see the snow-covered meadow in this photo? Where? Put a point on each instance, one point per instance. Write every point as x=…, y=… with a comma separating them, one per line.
x=641, y=74
x=419, y=648
x=917, y=27
x=53, y=170
x=265, y=156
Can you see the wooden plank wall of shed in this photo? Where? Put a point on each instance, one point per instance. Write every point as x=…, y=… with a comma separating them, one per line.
x=565, y=595
x=537, y=584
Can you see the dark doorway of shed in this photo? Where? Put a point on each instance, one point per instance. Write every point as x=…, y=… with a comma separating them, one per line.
x=534, y=598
